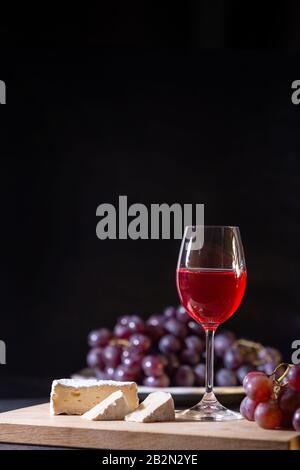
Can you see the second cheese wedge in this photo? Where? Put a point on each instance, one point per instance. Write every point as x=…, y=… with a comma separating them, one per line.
x=114, y=407
x=158, y=406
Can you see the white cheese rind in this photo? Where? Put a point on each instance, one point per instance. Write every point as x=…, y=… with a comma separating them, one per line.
x=77, y=396
x=114, y=407
x=158, y=406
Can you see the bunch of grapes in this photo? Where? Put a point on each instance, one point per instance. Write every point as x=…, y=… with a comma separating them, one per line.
x=273, y=402
x=169, y=349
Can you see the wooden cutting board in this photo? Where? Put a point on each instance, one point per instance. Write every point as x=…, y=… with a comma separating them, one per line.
x=34, y=425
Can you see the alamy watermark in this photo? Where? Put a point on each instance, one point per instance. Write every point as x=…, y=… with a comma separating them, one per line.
x=2, y=92
x=296, y=354
x=2, y=352
x=160, y=221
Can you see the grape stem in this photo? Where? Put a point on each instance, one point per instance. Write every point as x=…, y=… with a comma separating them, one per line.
x=278, y=385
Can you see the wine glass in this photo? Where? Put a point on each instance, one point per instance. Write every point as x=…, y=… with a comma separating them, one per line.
x=211, y=281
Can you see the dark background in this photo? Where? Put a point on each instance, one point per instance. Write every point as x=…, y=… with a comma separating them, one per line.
x=188, y=106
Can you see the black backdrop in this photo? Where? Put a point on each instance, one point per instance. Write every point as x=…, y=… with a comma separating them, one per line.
x=85, y=125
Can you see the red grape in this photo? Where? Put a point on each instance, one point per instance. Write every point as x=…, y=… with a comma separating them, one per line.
x=195, y=343
x=112, y=355
x=294, y=378
x=289, y=401
x=182, y=315
x=99, y=337
x=296, y=420
x=170, y=312
x=154, y=332
x=188, y=356
x=153, y=366
x=133, y=363
x=247, y=408
x=161, y=381
x=176, y=328
x=109, y=371
x=125, y=374
x=268, y=354
x=95, y=358
x=136, y=324
x=184, y=376
x=141, y=342
x=223, y=341
x=156, y=320
x=196, y=329
x=200, y=371
x=101, y=374
x=173, y=363
x=258, y=386
x=169, y=344
x=226, y=378
x=268, y=415
x=124, y=320
x=122, y=331
x=233, y=358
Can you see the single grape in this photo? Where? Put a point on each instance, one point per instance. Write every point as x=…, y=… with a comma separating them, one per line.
x=153, y=366
x=294, y=378
x=226, y=378
x=223, y=341
x=189, y=356
x=110, y=372
x=95, y=358
x=122, y=331
x=164, y=360
x=132, y=352
x=154, y=332
x=247, y=408
x=101, y=374
x=133, y=363
x=268, y=415
x=195, y=343
x=258, y=386
x=243, y=371
x=169, y=344
x=176, y=328
x=184, y=376
x=182, y=315
x=112, y=355
x=99, y=337
x=124, y=320
x=199, y=372
x=196, y=329
x=173, y=363
x=268, y=354
x=136, y=324
x=289, y=401
x=296, y=420
x=124, y=374
x=170, y=312
x=233, y=358
x=156, y=320
x=141, y=342
x=161, y=381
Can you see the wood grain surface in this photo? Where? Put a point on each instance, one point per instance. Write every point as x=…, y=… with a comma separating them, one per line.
x=34, y=425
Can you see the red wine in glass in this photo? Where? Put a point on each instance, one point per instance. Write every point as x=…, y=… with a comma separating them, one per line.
x=211, y=281
x=211, y=296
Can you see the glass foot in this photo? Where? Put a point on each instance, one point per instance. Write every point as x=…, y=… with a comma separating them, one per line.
x=209, y=409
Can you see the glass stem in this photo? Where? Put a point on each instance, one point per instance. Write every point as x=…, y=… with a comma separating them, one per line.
x=209, y=379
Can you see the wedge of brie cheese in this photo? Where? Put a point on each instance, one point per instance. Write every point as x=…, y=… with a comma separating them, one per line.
x=114, y=407
x=77, y=396
x=158, y=406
